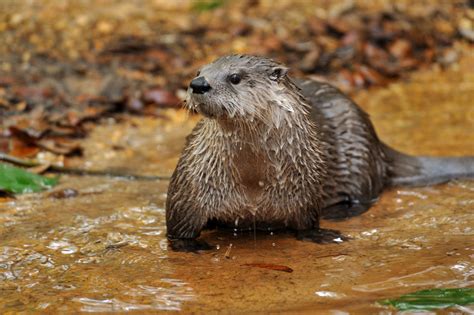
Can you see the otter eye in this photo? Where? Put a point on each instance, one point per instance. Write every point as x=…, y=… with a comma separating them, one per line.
x=198, y=73
x=234, y=78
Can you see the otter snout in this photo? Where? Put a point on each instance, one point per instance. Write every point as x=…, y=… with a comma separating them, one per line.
x=200, y=85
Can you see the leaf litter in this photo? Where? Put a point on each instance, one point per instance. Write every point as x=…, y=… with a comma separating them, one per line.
x=60, y=76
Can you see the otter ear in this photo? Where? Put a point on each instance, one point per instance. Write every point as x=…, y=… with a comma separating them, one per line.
x=277, y=73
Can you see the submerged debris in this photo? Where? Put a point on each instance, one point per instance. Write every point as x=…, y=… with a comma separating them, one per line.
x=64, y=193
x=270, y=266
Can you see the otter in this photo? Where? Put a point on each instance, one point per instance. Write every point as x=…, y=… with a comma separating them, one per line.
x=275, y=152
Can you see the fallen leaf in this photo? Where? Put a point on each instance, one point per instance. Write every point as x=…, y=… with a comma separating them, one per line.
x=17, y=180
x=270, y=266
x=39, y=169
x=59, y=146
x=19, y=148
x=432, y=299
x=161, y=97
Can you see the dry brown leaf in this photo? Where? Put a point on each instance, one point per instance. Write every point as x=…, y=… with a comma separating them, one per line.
x=270, y=267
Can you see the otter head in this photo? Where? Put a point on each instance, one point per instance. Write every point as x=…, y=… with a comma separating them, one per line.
x=240, y=88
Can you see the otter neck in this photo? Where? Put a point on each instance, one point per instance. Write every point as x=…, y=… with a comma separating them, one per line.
x=287, y=117
x=291, y=132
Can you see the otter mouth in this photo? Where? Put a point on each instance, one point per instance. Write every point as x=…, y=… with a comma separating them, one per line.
x=201, y=104
x=206, y=110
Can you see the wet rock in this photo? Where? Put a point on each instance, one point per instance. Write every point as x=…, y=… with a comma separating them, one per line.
x=64, y=193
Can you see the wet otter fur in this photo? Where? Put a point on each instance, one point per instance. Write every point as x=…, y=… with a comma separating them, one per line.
x=275, y=152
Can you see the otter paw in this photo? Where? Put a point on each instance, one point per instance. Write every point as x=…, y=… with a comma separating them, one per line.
x=321, y=236
x=188, y=245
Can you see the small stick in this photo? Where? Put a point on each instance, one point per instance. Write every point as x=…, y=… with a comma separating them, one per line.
x=78, y=171
x=227, y=252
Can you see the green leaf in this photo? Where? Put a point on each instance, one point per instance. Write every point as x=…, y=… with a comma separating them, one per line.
x=207, y=5
x=432, y=299
x=17, y=180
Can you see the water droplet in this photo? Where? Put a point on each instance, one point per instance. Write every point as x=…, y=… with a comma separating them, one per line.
x=57, y=244
x=328, y=294
x=164, y=244
x=69, y=250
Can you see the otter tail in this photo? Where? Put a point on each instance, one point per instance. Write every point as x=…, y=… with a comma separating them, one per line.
x=406, y=170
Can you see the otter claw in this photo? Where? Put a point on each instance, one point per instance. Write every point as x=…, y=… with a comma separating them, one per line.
x=189, y=245
x=321, y=236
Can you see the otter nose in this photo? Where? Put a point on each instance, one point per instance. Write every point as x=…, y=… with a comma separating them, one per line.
x=200, y=85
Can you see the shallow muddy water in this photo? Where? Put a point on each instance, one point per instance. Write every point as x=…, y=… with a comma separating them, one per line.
x=105, y=249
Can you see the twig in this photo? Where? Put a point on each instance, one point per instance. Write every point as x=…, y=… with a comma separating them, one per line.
x=78, y=171
x=332, y=255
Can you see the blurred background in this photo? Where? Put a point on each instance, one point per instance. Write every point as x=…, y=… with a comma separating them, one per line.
x=79, y=58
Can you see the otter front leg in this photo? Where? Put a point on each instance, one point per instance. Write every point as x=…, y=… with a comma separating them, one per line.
x=345, y=207
x=188, y=245
x=183, y=228
x=319, y=235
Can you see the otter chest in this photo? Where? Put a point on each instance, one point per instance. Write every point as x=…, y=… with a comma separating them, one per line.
x=251, y=168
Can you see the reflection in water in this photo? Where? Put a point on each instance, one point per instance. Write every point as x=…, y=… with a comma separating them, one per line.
x=105, y=249
x=329, y=294
x=159, y=298
x=96, y=252
x=456, y=277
